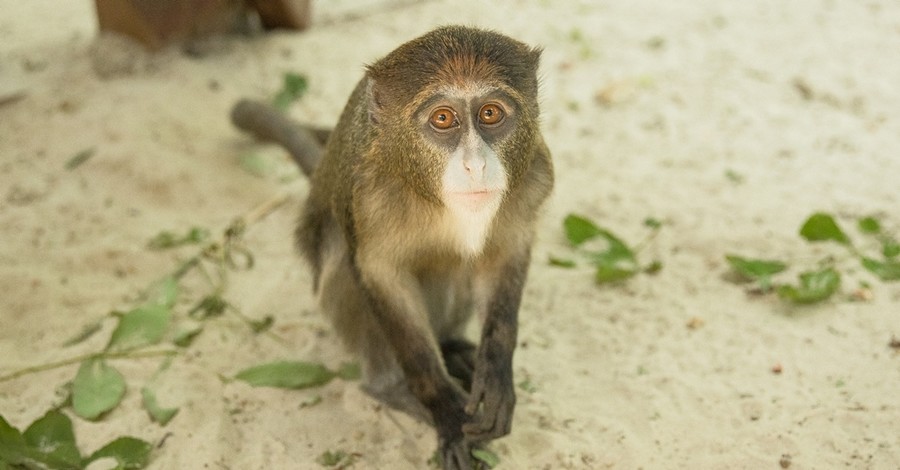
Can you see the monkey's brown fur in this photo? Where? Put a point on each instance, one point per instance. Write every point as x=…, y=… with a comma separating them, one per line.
x=389, y=272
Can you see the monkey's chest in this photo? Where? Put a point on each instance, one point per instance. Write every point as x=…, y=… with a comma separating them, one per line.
x=448, y=295
x=466, y=230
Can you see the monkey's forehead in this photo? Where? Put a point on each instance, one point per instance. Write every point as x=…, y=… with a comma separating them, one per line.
x=463, y=89
x=456, y=55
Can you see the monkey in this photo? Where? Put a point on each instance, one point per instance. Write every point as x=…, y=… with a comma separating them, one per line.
x=421, y=214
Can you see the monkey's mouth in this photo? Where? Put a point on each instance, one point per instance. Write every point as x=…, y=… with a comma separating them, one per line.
x=474, y=199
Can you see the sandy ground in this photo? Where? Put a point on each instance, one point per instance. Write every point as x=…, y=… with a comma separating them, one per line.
x=665, y=372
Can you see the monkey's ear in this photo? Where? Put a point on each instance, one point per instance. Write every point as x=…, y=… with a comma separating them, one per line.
x=534, y=57
x=374, y=99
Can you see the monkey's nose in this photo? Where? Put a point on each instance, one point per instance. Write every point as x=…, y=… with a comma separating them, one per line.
x=474, y=166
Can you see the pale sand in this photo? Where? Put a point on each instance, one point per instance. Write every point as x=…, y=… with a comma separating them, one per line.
x=697, y=89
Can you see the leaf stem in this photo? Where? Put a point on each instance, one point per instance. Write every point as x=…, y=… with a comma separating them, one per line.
x=234, y=230
x=128, y=354
x=646, y=241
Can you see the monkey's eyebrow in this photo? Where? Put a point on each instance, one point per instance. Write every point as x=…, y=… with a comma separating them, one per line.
x=499, y=95
x=439, y=98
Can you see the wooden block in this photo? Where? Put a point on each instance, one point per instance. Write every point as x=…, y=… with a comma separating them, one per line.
x=156, y=23
x=290, y=14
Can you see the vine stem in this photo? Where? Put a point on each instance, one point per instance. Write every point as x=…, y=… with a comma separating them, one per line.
x=131, y=354
x=234, y=230
x=646, y=240
x=264, y=209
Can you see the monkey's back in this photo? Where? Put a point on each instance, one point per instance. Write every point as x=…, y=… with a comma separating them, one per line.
x=327, y=206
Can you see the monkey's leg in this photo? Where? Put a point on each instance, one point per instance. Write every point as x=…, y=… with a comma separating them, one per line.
x=383, y=378
x=492, y=397
x=343, y=300
x=449, y=295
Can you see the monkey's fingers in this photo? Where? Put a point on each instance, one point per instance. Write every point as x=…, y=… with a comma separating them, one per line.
x=476, y=395
x=493, y=422
x=456, y=455
x=497, y=403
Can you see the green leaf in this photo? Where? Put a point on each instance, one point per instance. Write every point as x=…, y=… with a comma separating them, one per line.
x=488, y=458
x=652, y=223
x=349, y=371
x=52, y=435
x=527, y=386
x=97, y=389
x=258, y=326
x=80, y=158
x=654, y=267
x=579, y=229
x=13, y=449
x=734, y=176
x=163, y=293
x=130, y=453
x=311, y=401
x=166, y=239
x=890, y=248
x=209, y=306
x=157, y=413
x=822, y=227
x=617, y=250
x=185, y=336
x=16, y=453
x=755, y=269
x=885, y=270
x=163, y=240
x=86, y=332
x=815, y=286
x=869, y=225
x=256, y=164
x=294, y=87
x=561, y=263
x=9, y=434
x=338, y=458
x=286, y=374
x=617, y=262
x=140, y=327
x=608, y=273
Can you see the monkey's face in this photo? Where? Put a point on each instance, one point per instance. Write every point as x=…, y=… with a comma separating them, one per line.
x=465, y=127
x=466, y=131
x=454, y=115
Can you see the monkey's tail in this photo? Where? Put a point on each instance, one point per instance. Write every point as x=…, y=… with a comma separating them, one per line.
x=304, y=143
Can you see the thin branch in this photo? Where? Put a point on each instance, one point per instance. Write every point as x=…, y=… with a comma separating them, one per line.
x=228, y=238
x=130, y=354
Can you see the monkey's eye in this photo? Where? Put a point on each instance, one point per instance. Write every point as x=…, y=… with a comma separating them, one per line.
x=443, y=118
x=491, y=114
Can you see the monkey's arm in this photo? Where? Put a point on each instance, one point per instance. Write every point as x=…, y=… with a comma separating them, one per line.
x=397, y=302
x=492, y=383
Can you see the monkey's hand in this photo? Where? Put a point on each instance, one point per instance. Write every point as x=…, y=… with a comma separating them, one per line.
x=455, y=450
x=492, y=389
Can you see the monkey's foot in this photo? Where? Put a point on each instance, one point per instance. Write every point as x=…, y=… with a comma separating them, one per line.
x=398, y=397
x=459, y=358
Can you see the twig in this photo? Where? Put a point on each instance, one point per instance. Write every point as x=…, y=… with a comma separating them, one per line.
x=263, y=210
x=130, y=354
x=229, y=238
